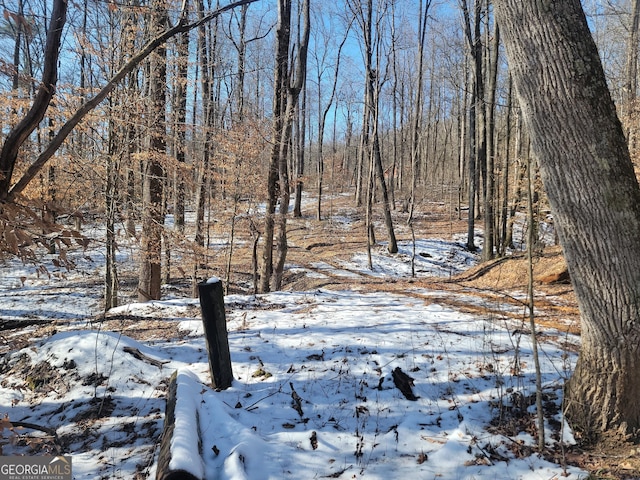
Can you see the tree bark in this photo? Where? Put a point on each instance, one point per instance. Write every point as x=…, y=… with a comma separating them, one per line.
x=323, y=112
x=504, y=211
x=202, y=186
x=301, y=125
x=417, y=113
x=150, y=279
x=594, y=196
x=182, y=46
x=283, y=36
x=372, y=109
x=297, y=78
x=287, y=90
x=476, y=57
x=490, y=113
x=111, y=188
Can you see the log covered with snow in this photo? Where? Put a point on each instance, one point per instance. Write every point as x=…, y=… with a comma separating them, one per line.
x=180, y=450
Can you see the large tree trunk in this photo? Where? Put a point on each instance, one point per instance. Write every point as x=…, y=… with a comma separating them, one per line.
x=594, y=195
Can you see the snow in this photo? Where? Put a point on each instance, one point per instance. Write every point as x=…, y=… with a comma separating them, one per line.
x=184, y=441
x=334, y=351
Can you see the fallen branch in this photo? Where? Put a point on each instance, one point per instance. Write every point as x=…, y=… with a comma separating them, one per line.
x=13, y=324
x=33, y=426
x=296, y=401
x=145, y=358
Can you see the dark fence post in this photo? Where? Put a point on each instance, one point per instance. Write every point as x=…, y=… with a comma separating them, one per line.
x=215, y=332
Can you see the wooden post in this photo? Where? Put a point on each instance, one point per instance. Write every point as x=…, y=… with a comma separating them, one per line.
x=215, y=332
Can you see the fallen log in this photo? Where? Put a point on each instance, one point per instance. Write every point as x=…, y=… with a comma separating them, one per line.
x=15, y=324
x=173, y=448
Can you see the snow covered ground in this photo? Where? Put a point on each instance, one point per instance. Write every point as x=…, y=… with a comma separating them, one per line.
x=313, y=396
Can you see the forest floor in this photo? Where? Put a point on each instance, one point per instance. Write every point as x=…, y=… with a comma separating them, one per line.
x=55, y=401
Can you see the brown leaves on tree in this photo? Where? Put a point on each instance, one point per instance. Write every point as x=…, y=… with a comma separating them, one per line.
x=26, y=234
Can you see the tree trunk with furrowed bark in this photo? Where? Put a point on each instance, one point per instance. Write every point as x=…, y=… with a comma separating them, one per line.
x=595, y=199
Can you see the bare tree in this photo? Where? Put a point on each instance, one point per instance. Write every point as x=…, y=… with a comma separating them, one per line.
x=374, y=79
x=206, y=50
x=150, y=279
x=423, y=15
x=180, y=125
x=476, y=134
x=287, y=87
x=493, y=46
x=323, y=110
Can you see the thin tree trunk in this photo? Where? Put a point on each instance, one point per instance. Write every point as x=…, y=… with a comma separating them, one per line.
x=472, y=133
x=295, y=81
x=242, y=51
x=531, y=240
x=631, y=75
x=372, y=85
x=394, y=106
x=417, y=113
x=150, y=278
x=504, y=213
x=489, y=190
x=362, y=150
x=17, y=47
x=203, y=174
x=301, y=127
x=279, y=101
x=322, y=120
x=111, y=189
x=181, y=127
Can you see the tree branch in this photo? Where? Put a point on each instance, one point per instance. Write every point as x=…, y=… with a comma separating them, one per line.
x=67, y=128
x=18, y=135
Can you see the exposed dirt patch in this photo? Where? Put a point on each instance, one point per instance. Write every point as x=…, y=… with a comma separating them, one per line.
x=611, y=458
x=142, y=328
